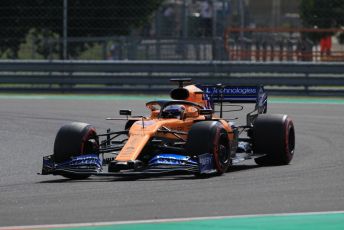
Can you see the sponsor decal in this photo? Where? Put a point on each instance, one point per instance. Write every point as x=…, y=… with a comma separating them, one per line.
x=234, y=91
x=172, y=159
x=206, y=163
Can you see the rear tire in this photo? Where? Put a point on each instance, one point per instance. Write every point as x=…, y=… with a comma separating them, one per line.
x=273, y=135
x=75, y=139
x=210, y=137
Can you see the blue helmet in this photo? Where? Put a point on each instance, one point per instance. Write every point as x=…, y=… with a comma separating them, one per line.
x=173, y=111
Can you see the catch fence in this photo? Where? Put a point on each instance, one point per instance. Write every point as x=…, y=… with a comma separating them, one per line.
x=161, y=29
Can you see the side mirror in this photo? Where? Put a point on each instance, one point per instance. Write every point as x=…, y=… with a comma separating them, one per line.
x=125, y=112
x=206, y=112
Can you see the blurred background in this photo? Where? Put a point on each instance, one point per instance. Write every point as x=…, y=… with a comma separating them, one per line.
x=250, y=30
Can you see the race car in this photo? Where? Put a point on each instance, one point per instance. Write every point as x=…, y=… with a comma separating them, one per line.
x=187, y=134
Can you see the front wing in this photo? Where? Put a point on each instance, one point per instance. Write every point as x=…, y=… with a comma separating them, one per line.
x=161, y=164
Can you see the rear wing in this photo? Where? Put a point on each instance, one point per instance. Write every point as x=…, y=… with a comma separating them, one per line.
x=236, y=94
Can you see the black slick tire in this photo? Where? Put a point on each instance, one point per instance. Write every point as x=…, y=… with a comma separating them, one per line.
x=273, y=135
x=210, y=137
x=74, y=139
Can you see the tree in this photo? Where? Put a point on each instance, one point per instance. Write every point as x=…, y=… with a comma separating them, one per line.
x=322, y=14
x=86, y=18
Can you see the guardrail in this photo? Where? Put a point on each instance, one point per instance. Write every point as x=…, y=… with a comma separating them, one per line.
x=153, y=76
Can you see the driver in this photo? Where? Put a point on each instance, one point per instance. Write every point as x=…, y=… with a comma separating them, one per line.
x=173, y=111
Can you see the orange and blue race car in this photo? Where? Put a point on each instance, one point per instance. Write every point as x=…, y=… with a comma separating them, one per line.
x=187, y=134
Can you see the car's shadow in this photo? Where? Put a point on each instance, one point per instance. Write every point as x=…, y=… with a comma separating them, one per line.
x=232, y=169
x=237, y=168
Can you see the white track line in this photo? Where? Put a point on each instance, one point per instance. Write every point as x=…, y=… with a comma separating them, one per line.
x=76, y=225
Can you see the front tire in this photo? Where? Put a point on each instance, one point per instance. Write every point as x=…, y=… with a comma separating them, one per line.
x=273, y=135
x=210, y=137
x=75, y=139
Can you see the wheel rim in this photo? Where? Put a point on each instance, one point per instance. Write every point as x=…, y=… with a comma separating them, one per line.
x=89, y=141
x=291, y=141
x=223, y=154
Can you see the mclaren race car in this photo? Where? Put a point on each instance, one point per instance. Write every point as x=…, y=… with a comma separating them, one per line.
x=186, y=134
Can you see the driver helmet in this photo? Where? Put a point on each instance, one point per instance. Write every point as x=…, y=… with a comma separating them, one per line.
x=173, y=111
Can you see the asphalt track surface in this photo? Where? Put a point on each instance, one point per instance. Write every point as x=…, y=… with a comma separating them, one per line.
x=314, y=181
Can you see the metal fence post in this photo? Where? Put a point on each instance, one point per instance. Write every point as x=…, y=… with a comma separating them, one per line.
x=185, y=30
x=104, y=50
x=65, y=35
x=33, y=47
